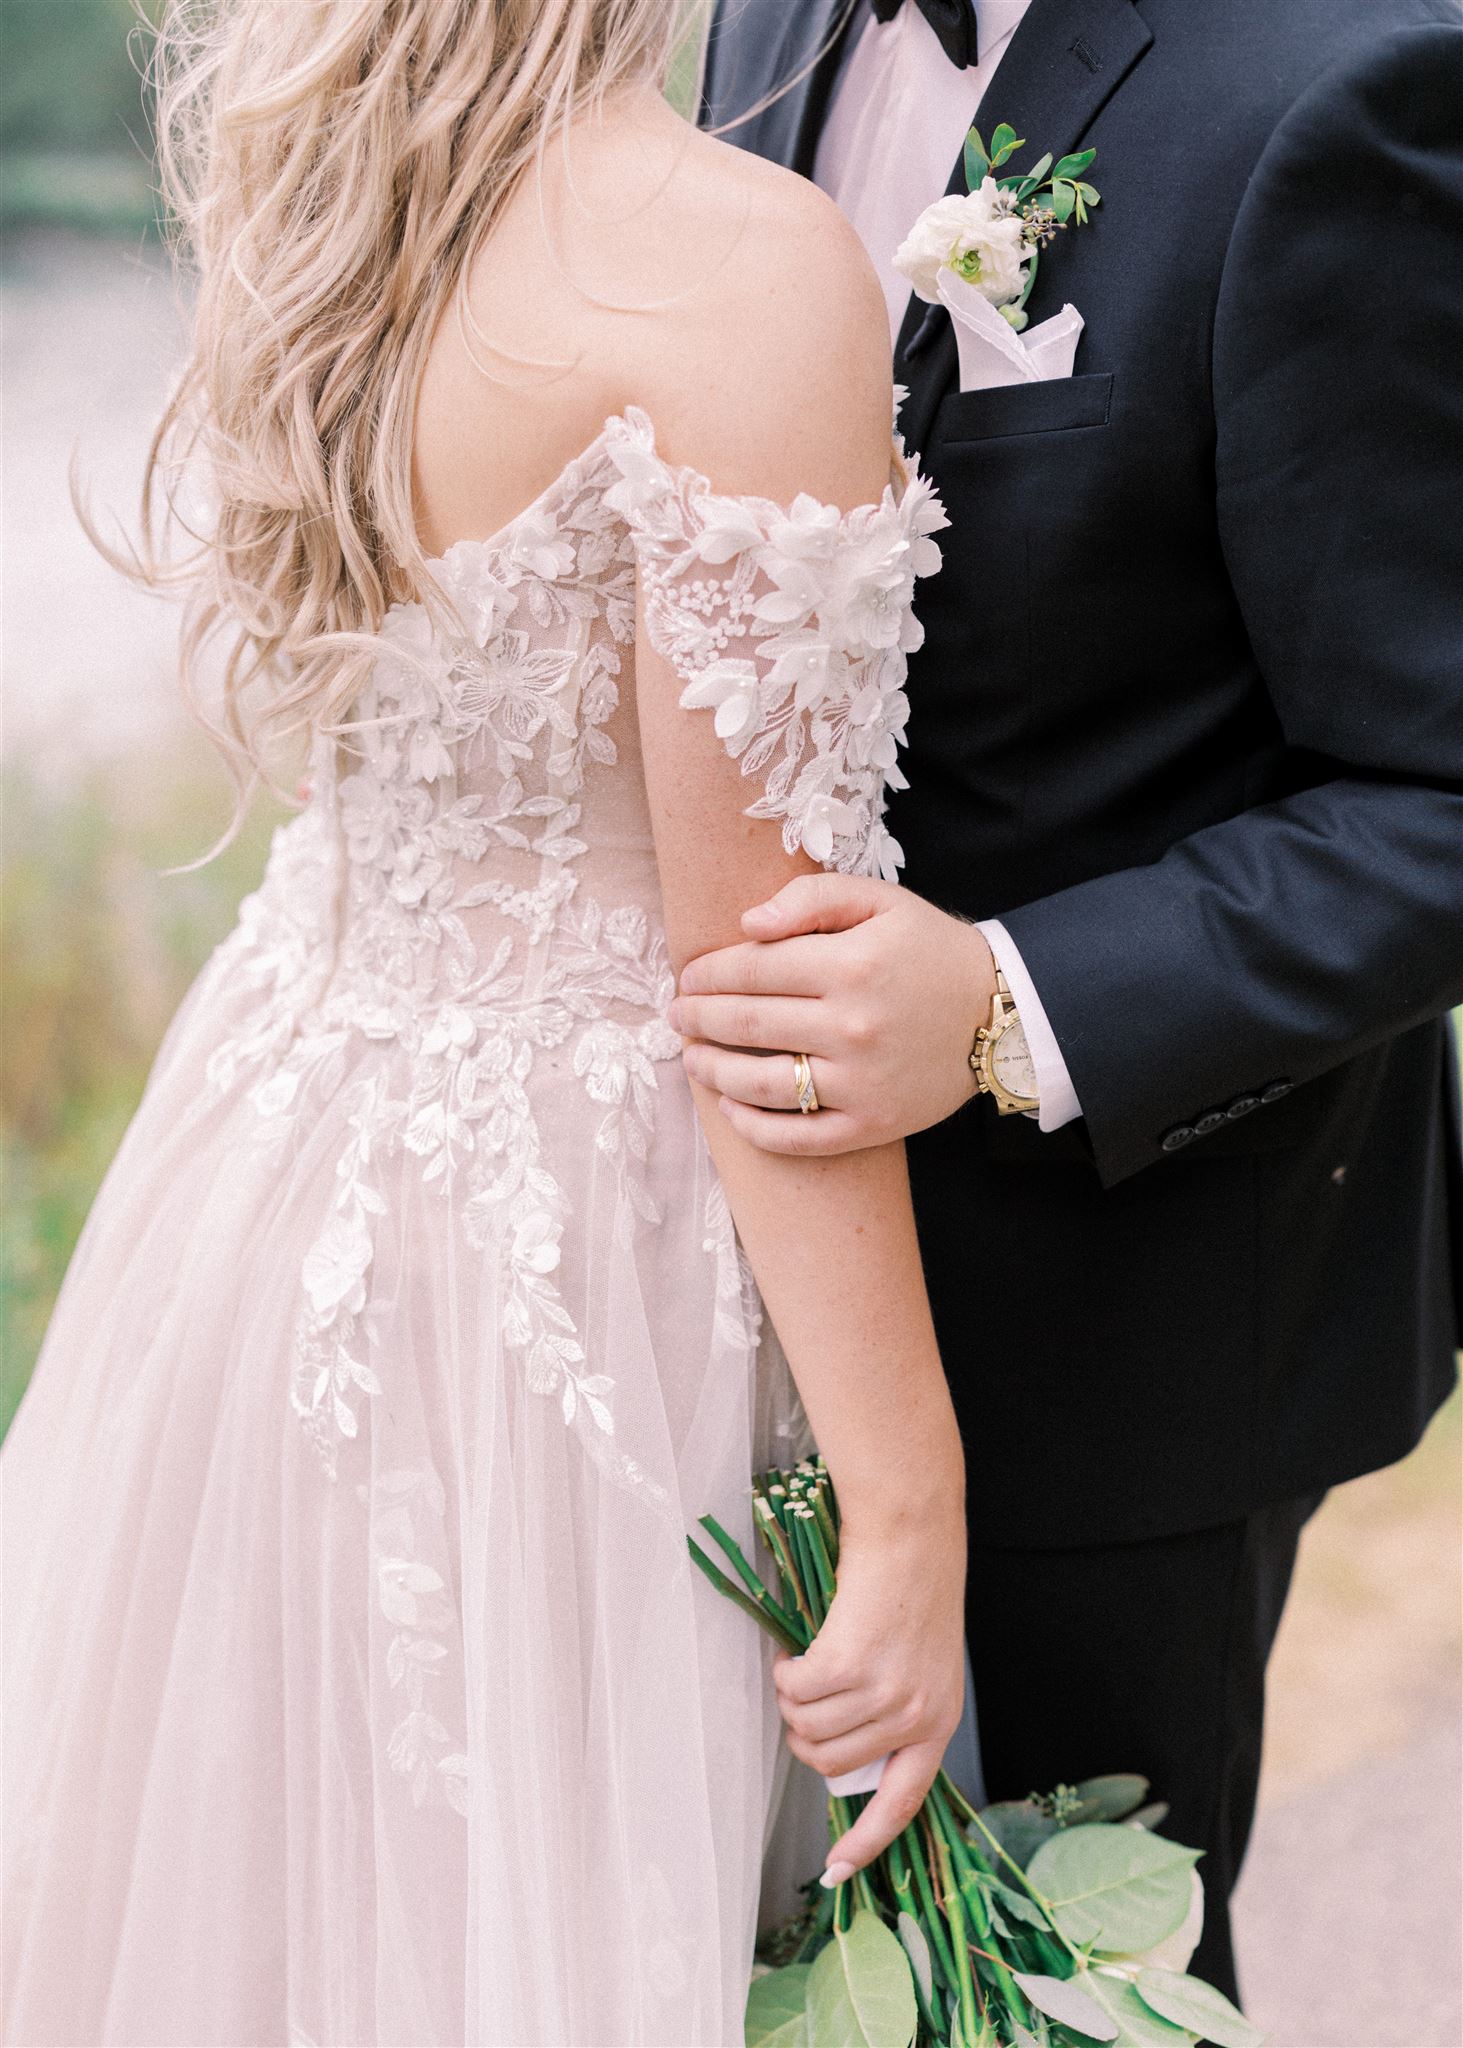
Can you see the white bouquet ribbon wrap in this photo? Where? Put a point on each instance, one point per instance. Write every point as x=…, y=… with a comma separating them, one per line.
x=992, y=352
x=865, y=1779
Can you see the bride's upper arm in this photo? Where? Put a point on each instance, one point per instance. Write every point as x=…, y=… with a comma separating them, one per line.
x=779, y=397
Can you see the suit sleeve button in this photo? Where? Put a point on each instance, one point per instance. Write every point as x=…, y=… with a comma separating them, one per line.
x=1179, y=1135
x=1242, y=1105
x=1210, y=1121
x=1275, y=1090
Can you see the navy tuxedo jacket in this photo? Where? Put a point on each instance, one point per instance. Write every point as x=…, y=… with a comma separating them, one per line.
x=1189, y=719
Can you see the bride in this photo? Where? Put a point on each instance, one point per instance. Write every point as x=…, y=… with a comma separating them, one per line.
x=359, y=1687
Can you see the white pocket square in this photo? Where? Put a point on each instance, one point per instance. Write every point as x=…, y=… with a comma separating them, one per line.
x=992, y=352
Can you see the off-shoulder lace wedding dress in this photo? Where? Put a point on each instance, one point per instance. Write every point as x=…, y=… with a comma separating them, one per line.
x=360, y=1690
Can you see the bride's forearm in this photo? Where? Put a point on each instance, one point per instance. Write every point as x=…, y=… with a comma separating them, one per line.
x=832, y=1244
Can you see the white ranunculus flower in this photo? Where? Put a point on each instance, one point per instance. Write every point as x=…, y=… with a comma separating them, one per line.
x=964, y=230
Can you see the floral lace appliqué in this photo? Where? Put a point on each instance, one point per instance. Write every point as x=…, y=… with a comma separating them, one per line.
x=429, y=900
x=793, y=628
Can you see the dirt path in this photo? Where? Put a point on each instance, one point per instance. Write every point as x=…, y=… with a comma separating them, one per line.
x=1350, y=1908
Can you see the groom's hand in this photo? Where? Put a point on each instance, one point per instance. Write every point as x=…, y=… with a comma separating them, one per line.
x=883, y=993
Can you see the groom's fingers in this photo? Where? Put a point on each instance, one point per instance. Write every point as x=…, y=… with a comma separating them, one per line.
x=817, y=903
x=766, y=1080
x=763, y=1021
x=817, y=1136
x=786, y=967
x=908, y=1776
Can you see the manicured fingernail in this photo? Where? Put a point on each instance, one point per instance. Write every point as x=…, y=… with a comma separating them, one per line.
x=760, y=913
x=836, y=1873
x=673, y=1016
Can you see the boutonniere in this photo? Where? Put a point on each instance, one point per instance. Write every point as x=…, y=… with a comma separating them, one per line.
x=977, y=254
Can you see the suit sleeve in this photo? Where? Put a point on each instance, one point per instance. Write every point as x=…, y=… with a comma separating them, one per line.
x=1265, y=950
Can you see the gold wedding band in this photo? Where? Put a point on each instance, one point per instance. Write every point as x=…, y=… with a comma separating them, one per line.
x=802, y=1073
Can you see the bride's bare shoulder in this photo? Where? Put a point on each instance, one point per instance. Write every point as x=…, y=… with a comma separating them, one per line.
x=643, y=262
x=765, y=308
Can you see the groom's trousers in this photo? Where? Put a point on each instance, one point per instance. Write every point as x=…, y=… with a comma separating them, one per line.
x=1145, y=1657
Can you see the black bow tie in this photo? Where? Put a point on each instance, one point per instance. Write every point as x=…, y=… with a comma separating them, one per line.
x=952, y=20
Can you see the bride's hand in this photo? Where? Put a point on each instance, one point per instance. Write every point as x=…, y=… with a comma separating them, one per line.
x=885, y=1676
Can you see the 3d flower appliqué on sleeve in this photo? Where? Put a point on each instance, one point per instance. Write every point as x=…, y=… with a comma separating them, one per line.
x=791, y=625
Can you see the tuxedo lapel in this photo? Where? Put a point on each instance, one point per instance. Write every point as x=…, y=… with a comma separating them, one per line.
x=787, y=130
x=816, y=90
x=1064, y=63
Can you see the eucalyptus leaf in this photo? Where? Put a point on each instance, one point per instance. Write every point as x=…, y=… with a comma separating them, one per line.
x=1020, y=1827
x=1090, y=193
x=1151, y=1816
x=1114, y=1887
x=977, y=159
x=1112, y=1797
x=1004, y=141
x=1073, y=166
x=1020, y=1907
x=1061, y=200
x=1191, y=2003
x=1063, y=1999
x=912, y=1935
x=776, y=2015
x=1137, y=2025
x=860, y=1992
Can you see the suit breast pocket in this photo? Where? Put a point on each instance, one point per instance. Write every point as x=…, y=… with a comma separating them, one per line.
x=1009, y=409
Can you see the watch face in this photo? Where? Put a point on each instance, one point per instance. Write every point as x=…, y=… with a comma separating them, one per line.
x=1012, y=1064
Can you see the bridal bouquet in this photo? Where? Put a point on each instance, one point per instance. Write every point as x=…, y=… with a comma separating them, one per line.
x=1042, y=1923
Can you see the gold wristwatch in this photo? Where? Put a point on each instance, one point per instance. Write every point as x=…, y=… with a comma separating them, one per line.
x=1001, y=1058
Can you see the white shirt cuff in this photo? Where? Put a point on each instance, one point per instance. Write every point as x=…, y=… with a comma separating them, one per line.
x=1057, y=1096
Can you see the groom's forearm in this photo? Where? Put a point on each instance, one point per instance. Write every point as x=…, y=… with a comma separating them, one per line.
x=1252, y=958
x=1277, y=944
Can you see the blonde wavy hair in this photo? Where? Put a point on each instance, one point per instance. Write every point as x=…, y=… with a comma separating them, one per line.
x=329, y=169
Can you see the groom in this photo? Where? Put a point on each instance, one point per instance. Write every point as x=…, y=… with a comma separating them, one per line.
x=1187, y=741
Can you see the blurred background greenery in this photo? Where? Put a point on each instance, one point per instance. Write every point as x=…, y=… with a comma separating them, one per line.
x=105, y=782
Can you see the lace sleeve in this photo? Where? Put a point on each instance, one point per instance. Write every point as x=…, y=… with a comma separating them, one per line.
x=792, y=626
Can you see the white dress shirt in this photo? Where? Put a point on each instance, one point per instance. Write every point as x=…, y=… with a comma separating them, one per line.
x=895, y=127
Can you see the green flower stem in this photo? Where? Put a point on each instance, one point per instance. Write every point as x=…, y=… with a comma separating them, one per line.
x=826, y=1525
x=762, y=1615
x=1030, y=280
x=797, y=1543
x=954, y=1797
x=929, y=1915
x=901, y=1884
x=745, y=1572
x=970, y=2016
x=812, y=1538
x=775, y=1537
x=948, y=1831
x=1077, y=1955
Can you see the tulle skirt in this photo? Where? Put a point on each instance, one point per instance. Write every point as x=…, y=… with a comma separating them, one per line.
x=361, y=1691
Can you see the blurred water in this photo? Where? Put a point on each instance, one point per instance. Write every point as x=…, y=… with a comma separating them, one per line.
x=92, y=335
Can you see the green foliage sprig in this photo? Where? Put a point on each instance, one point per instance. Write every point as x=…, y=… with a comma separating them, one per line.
x=1021, y=1925
x=1046, y=197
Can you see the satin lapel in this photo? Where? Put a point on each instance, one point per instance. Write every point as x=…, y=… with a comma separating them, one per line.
x=787, y=130
x=817, y=89
x=1065, y=61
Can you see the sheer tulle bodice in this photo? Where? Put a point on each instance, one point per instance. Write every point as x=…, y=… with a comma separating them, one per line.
x=410, y=1332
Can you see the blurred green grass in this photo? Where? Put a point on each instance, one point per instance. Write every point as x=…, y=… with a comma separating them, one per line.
x=98, y=949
